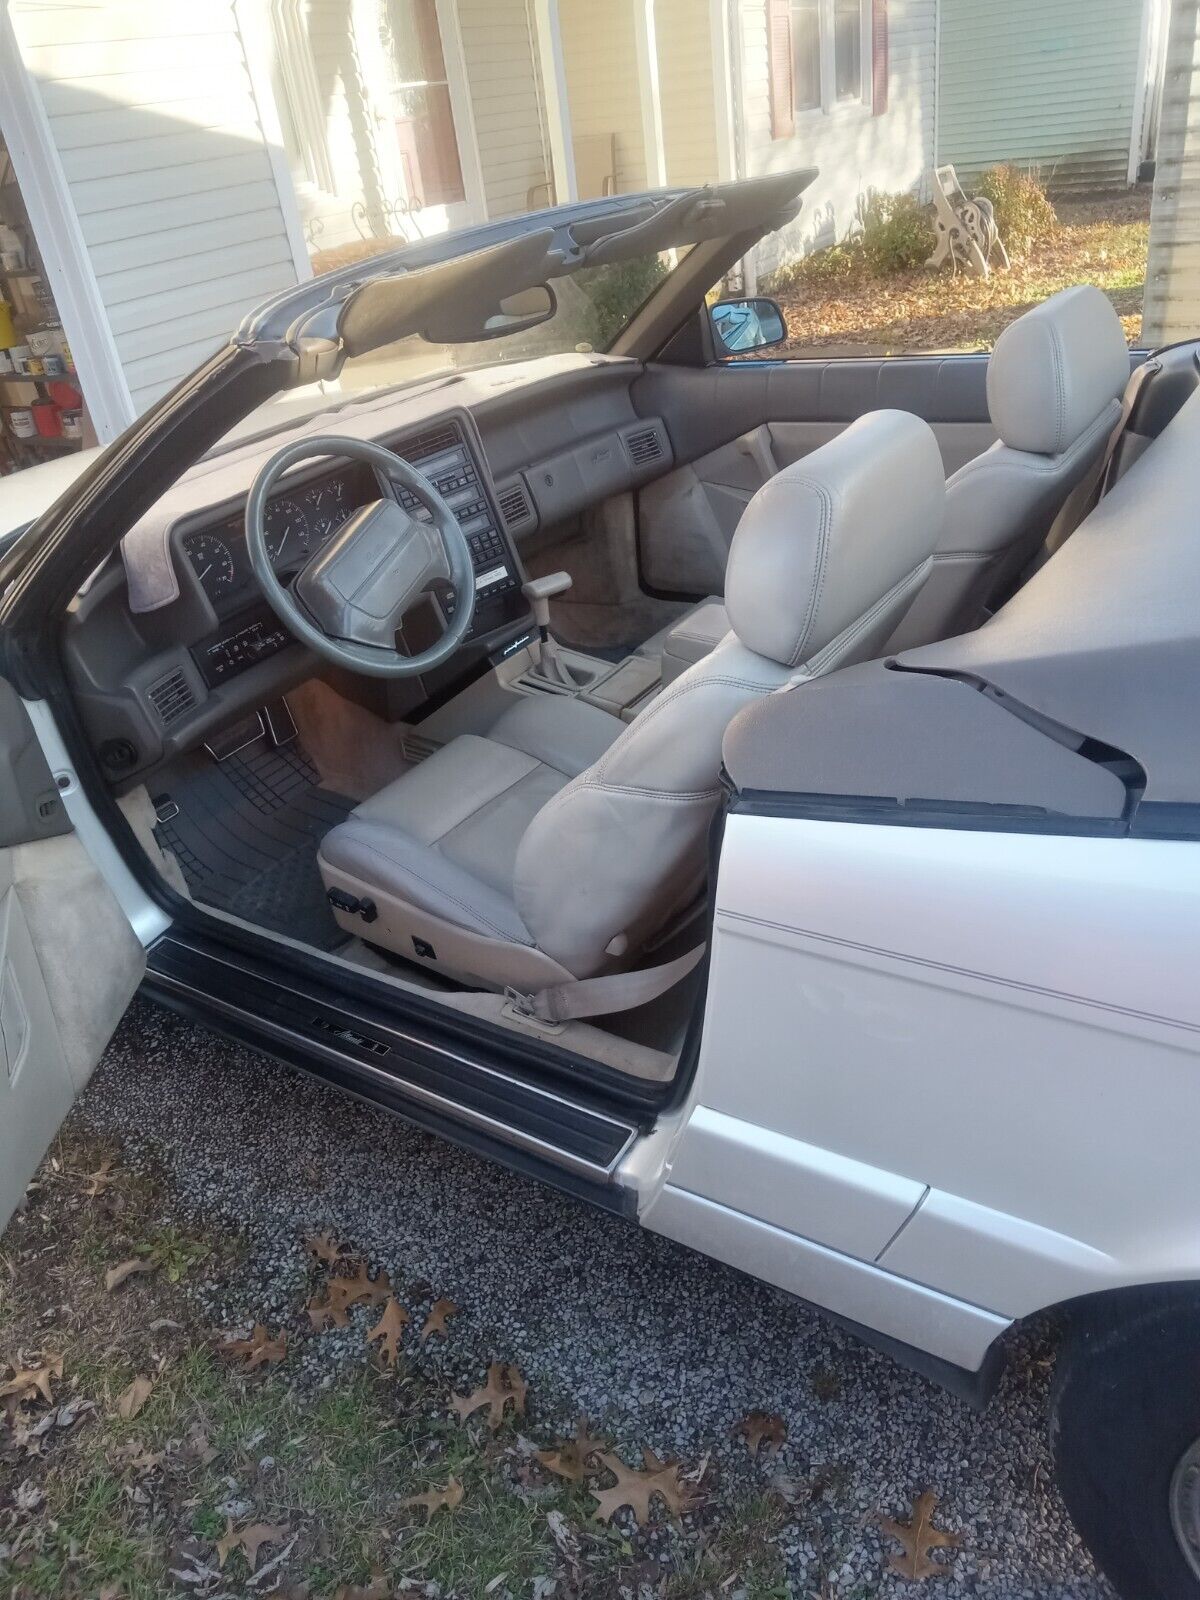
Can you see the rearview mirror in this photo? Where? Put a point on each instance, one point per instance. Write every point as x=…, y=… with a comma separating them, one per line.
x=742, y=325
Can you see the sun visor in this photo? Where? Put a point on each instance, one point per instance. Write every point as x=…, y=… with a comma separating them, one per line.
x=443, y=303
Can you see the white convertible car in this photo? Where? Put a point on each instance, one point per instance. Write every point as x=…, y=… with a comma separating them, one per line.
x=759, y=796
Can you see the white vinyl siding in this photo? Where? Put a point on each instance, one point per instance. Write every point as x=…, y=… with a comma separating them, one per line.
x=157, y=128
x=153, y=113
x=1172, y=304
x=501, y=67
x=600, y=54
x=1051, y=86
x=853, y=150
x=687, y=91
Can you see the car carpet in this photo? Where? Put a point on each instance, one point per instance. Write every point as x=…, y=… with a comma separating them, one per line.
x=246, y=835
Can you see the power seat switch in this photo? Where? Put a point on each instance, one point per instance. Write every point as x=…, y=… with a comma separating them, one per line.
x=352, y=905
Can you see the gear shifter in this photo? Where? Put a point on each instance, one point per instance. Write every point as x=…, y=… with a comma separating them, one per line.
x=539, y=592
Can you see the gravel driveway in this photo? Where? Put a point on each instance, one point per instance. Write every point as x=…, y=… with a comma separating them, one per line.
x=668, y=1348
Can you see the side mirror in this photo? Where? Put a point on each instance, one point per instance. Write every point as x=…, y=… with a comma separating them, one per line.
x=742, y=325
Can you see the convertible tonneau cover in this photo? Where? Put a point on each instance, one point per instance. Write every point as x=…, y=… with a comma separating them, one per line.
x=1097, y=657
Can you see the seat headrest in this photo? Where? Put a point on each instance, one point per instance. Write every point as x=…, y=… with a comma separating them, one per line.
x=828, y=537
x=1055, y=369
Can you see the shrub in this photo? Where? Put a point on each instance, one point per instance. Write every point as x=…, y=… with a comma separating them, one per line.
x=895, y=234
x=832, y=264
x=1023, y=210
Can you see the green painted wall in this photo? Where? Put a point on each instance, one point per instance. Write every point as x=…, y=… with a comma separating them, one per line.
x=1043, y=82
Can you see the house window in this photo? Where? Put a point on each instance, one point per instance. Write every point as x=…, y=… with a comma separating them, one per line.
x=420, y=103
x=818, y=50
x=806, y=54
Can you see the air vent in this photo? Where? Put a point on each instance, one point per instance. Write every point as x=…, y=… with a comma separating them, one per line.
x=515, y=505
x=172, y=697
x=430, y=443
x=644, y=446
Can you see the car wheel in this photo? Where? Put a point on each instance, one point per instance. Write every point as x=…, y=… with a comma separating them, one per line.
x=1125, y=1433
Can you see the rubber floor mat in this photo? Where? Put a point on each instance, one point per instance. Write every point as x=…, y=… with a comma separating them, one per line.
x=246, y=836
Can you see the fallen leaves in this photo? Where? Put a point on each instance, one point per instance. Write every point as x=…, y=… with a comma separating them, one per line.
x=388, y=1331
x=343, y=1288
x=326, y=1248
x=249, y=1540
x=570, y=1460
x=763, y=1431
x=259, y=1350
x=637, y=1488
x=919, y=1537
x=116, y=1276
x=505, y=1386
x=434, y=1500
x=28, y=1381
x=103, y=1178
x=132, y=1399
x=435, y=1323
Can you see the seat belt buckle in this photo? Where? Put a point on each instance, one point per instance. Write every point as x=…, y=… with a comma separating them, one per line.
x=519, y=1007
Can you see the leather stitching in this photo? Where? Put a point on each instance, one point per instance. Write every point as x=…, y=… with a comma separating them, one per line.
x=682, y=687
x=844, y=640
x=814, y=599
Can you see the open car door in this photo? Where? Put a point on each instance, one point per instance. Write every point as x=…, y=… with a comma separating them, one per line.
x=69, y=958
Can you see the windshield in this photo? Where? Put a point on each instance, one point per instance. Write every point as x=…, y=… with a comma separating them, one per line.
x=593, y=305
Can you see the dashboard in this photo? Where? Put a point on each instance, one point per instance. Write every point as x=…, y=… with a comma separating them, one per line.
x=298, y=522
x=305, y=513
x=153, y=678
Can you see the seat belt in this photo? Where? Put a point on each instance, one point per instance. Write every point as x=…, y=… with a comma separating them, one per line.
x=599, y=997
x=1092, y=488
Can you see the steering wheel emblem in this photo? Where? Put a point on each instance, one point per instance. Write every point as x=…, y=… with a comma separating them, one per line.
x=348, y=600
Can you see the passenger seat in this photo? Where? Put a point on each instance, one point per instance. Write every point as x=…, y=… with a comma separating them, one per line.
x=1054, y=386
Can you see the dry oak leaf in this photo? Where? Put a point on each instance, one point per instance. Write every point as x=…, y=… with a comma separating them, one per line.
x=103, y=1178
x=435, y=1323
x=433, y=1500
x=116, y=1276
x=325, y=1247
x=504, y=1385
x=637, y=1489
x=347, y=1291
x=259, y=1350
x=389, y=1330
x=763, y=1432
x=919, y=1537
x=323, y=1312
x=26, y=1380
x=249, y=1540
x=569, y=1460
x=131, y=1400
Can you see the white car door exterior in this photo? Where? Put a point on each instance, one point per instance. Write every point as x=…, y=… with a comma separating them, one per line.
x=947, y=1076
x=69, y=958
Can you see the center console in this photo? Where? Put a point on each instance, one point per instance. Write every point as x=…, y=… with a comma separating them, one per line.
x=449, y=456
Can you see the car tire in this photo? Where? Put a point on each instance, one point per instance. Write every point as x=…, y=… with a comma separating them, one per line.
x=1125, y=1435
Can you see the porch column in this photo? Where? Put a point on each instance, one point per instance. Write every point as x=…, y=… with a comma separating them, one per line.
x=653, y=142
x=548, y=38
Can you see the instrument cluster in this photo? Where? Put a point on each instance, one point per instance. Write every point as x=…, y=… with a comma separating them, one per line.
x=297, y=522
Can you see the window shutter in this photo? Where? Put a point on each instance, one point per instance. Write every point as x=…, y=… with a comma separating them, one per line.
x=779, y=59
x=879, y=57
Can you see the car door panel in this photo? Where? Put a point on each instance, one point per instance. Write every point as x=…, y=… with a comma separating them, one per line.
x=69, y=959
x=734, y=425
x=1004, y=1019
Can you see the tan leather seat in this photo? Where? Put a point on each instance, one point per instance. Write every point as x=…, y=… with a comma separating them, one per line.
x=1054, y=383
x=559, y=845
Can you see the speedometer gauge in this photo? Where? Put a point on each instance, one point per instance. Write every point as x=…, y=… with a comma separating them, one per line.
x=286, y=529
x=213, y=561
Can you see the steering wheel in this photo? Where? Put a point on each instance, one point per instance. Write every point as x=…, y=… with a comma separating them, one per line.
x=347, y=601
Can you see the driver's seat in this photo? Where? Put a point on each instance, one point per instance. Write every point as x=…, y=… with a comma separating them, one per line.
x=561, y=844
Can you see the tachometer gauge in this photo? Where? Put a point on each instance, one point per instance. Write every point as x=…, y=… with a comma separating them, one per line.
x=286, y=529
x=213, y=561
